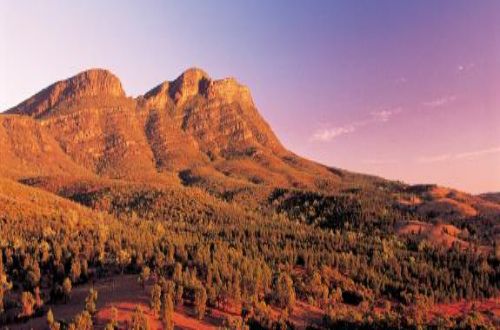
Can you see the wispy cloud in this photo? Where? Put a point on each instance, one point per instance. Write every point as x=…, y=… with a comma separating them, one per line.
x=478, y=153
x=440, y=102
x=329, y=133
x=466, y=67
x=463, y=155
x=434, y=159
x=384, y=115
x=380, y=161
x=401, y=80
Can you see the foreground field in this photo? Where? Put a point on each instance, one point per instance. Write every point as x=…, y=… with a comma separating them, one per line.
x=124, y=293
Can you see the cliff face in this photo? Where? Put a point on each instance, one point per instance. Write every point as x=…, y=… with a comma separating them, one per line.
x=218, y=116
x=193, y=124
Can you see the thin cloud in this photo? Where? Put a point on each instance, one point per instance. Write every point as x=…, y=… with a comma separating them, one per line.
x=384, y=115
x=328, y=134
x=401, y=80
x=463, y=155
x=381, y=161
x=478, y=153
x=466, y=67
x=440, y=102
x=435, y=159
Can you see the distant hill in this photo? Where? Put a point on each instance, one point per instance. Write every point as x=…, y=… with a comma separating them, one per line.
x=493, y=197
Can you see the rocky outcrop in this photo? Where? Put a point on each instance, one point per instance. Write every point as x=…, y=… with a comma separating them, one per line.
x=91, y=83
x=219, y=114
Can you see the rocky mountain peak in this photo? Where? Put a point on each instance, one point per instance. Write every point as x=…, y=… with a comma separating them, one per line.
x=90, y=83
x=95, y=82
x=191, y=82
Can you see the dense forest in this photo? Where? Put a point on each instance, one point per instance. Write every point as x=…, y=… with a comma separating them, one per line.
x=326, y=250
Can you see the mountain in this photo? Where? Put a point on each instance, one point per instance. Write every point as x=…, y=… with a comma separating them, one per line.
x=79, y=135
x=193, y=131
x=189, y=181
x=200, y=128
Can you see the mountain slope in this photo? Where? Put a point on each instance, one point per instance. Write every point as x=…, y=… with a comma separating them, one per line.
x=28, y=149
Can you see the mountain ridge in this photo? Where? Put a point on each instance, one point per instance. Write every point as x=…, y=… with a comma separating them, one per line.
x=193, y=131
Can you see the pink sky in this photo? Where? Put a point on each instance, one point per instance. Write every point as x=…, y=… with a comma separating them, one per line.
x=408, y=91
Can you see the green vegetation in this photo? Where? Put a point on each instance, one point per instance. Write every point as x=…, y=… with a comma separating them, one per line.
x=335, y=255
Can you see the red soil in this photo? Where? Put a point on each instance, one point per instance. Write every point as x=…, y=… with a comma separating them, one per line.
x=488, y=306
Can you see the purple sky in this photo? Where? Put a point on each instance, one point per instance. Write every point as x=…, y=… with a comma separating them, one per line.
x=405, y=90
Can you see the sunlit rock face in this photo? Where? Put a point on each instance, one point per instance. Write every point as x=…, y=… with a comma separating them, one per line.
x=90, y=83
x=193, y=124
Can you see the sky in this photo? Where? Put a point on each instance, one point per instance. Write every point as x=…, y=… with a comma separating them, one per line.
x=405, y=90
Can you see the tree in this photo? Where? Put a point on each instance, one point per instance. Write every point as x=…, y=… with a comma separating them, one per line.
x=155, y=299
x=177, y=277
x=83, y=321
x=179, y=292
x=91, y=302
x=51, y=322
x=200, y=303
x=38, y=298
x=168, y=313
x=5, y=285
x=34, y=275
x=67, y=289
x=285, y=293
x=28, y=303
x=139, y=321
x=75, y=271
x=50, y=317
x=112, y=323
x=144, y=276
x=123, y=259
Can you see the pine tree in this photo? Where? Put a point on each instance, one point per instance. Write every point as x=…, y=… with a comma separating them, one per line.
x=67, y=289
x=91, y=302
x=83, y=321
x=50, y=318
x=285, y=293
x=38, y=298
x=5, y=285
x=75, y=271
x=179, y=292
x=144, y=276
x=112, y=323
x=200, y=303
x=139, y=321
x=27, y=303
x=51, y=322
x=155, y=299
x=168, y=313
